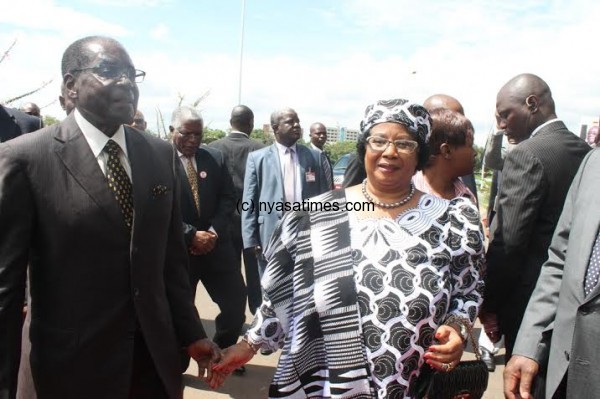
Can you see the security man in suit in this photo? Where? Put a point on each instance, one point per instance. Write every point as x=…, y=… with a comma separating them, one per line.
x=536, y=175
x=558, y=337
x=281, y=173
x=236, y=146
x=207, y=202
x=92, y=207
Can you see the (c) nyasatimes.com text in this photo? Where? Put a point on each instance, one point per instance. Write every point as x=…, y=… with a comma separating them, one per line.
x=305, y=206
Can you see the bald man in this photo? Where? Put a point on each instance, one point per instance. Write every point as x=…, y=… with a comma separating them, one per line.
x=318, y=138
x=139, y=122
x=536, y=175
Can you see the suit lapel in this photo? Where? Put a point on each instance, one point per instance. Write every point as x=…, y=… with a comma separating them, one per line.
x=72, y=148
x=303, y=163
x=588, y=233
x=275, y=167
x=203, y=169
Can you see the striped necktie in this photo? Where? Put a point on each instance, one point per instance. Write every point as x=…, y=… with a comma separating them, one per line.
x=119, y=182
x=289, y=175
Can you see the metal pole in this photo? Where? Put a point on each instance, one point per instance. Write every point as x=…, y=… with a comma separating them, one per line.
x=241, y=52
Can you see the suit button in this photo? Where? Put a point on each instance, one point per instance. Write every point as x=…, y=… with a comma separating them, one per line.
x=567, y=356
x=136, y=292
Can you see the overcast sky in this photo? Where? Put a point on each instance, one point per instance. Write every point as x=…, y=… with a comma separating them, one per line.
x=327, y=59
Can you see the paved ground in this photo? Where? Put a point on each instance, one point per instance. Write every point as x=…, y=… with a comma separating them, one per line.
x=254, y=384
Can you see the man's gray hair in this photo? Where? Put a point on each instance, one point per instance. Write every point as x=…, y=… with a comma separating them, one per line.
x=185, y=114
x=277, y=115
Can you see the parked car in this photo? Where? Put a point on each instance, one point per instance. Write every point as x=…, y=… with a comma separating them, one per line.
x=339, y=169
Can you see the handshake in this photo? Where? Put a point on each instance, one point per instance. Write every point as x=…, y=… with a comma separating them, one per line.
x=214, y=365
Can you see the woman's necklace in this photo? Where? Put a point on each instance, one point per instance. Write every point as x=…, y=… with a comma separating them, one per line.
x=387, y=205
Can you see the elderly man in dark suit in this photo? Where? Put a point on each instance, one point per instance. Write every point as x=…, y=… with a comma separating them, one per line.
x=93, y=207
x=236, y=147
x=282, y=173
x=14, y=123
x=558, y=337
x=536, y=175
x=207, y=202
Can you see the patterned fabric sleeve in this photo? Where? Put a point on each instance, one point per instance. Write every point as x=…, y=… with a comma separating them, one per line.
x=272, y=320
x=465, y=242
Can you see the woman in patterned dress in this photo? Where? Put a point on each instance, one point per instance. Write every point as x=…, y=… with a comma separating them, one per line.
x=374, y=281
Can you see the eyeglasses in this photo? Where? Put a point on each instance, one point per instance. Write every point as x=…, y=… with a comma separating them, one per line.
x=189, y=136
x=379, y=144
x=114, y=72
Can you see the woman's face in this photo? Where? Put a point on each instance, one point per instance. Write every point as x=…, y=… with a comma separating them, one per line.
x=464, y=157
x=390, y=170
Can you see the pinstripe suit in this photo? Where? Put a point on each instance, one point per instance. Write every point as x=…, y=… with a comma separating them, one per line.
x=536, y=176
x=560, y=328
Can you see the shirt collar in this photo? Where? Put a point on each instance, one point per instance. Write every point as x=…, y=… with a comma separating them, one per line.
x=96, y=139
x=281, y=148
x=314, y=147
x=238, y=132
x=537, y=129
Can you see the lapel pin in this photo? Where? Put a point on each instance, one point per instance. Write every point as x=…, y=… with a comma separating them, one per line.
x=203, y=174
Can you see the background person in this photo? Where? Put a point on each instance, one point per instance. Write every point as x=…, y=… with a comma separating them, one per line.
x=236, y=146
x=365, y=293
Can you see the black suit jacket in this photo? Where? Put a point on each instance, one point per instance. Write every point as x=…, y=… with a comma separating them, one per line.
x=536, y=176
x=236, y=147
x=13, y=123
x=355, y=171
x=92, y=283
x=217, y=199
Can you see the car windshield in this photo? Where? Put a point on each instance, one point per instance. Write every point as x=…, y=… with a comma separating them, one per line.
x=342, y=163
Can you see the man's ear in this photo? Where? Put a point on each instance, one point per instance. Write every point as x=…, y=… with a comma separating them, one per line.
x=69, y=82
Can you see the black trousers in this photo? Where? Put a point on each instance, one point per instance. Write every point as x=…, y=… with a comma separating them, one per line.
x=222, y=278
x=251, y=271
x=145, y=381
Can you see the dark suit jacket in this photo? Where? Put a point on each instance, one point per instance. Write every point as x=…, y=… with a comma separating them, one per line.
x=536, y=176
x=216, y=195
x=92, y=283
x=560, y=327
x=355, y=172
x=236, y=147
x=13, y=123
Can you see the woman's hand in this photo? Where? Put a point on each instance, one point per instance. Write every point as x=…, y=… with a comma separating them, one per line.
x=234, y=357
x=446, y=355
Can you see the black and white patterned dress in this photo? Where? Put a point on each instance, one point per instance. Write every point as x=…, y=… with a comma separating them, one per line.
x=354, y=304
x=406, y=272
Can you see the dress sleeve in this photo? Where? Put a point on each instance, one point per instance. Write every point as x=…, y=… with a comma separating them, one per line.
x=467, y=265
x=272, y=321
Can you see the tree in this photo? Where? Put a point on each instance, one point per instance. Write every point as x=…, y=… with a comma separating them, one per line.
x=336, y=150
x=211, y=135
x=262, y=136
x=50, y=120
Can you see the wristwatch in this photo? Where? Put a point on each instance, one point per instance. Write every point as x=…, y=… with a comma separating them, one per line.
x=461, y=328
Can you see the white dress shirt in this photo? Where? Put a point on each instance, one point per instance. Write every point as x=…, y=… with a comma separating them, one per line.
x=281, y=151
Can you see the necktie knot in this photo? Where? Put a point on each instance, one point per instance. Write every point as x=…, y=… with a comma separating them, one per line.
x=112, y=147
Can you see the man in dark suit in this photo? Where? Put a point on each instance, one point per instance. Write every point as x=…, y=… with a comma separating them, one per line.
x=536, y=175
x=318, y=138
x=558, y=337
x=236, y=147
x=92, y=207
x=282, y=173
x=13, y=123
x=207, y=202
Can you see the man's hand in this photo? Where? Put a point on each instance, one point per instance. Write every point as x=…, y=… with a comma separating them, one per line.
x=203, y=242
x=490, y=326
x=518, y=377
x=206, y=353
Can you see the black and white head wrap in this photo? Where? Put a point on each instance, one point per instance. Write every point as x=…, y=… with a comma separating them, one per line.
x=411, y=115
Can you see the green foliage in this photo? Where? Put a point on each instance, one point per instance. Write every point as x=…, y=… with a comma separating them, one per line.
x=211, y=135
x=50, y=120
x=264, y=137
x=336, y=150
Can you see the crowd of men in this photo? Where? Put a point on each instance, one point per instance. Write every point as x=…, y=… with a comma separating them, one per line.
x=109, y=230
